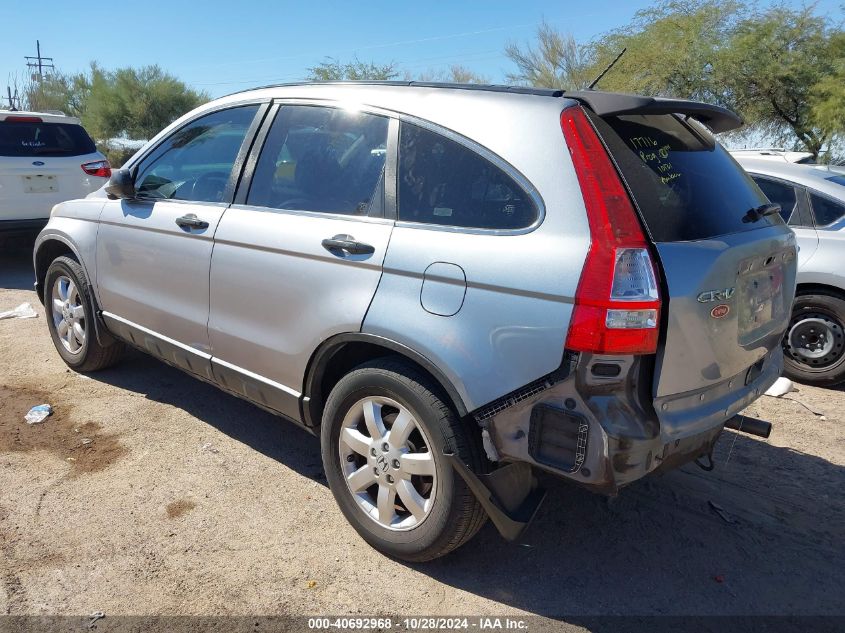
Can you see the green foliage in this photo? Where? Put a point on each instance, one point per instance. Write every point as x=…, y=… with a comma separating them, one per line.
x=462, y=75
x=771, y=68
x=128, y=102
x=457, y=74
x=828, y=95
x=356, y=70
x=672, y=49
x=781, y=68
x=555, y=61
x=57, y=92
x=135, y=102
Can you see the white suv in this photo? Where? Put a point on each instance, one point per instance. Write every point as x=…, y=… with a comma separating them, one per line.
x=45, y=158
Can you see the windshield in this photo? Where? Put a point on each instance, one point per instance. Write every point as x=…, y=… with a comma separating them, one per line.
x=44, y=139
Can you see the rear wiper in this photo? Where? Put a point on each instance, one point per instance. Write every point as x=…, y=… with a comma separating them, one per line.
x=752, y=215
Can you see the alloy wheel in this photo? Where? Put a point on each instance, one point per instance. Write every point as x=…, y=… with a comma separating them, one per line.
x=68, y=314
x=388, y=463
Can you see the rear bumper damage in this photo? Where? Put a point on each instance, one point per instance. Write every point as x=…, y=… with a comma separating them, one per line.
x=594, y=430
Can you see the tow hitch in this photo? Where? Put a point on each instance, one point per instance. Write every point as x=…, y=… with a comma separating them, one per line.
x=510, y=495
x=741, y=423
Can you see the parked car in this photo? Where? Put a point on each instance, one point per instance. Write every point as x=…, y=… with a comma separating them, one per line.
x=774, y=153
x=451, y=285
x=45, y=158
x=812, y=201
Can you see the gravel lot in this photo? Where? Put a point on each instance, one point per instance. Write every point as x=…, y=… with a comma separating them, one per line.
x=190, y=501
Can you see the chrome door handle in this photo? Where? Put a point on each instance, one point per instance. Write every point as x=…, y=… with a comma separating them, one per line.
x=191, y=221
x=349, y=244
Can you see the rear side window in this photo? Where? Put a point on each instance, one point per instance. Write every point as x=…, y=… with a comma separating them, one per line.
x=686, y=186
x=446, y=183
x=321, y=159
x=44, y=139
x=826, y=210
x=779, y=193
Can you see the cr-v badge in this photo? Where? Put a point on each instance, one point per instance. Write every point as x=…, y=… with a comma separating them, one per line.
x=716, y=295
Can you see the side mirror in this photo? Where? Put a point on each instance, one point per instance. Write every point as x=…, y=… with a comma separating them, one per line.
x=121, y=185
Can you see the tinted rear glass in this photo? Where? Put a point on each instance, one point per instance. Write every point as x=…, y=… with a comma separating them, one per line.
x=44, y=139
x=444, y=182
x=781, y=194
x=826, y=210
x=687, y=187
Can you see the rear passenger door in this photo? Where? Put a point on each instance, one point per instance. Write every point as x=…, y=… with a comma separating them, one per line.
x=795, y=210
x=299, y=255
x=466, y=277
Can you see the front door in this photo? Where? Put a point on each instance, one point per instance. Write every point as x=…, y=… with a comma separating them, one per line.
x=298, y=257
x=154, y=252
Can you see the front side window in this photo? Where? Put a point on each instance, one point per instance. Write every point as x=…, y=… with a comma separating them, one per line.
x=321, y=159
x=826, y=210
x=779, y=193
x=446, y=183
x=195, y=162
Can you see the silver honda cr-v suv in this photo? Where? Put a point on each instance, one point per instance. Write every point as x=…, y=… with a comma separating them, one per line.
x=451, y=285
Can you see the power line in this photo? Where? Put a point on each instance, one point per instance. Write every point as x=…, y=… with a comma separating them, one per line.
x=316, y=54
x=39, y=62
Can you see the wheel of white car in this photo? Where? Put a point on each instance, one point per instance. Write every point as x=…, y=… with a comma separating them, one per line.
x=70, y=318
x=384, y=434
x=814, y=344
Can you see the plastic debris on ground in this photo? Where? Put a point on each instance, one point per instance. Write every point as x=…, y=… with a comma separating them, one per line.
x=37, y=415
x=23, y=311
x=781, y=387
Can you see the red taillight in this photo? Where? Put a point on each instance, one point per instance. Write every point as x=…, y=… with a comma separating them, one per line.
x=617, y=306
x=99, y=168
x=23, y=119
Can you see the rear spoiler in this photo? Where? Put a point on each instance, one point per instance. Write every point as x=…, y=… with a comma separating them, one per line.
x=715, y=117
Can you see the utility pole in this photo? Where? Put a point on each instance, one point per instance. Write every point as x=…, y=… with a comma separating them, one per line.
x=12, y=99
x=39, y=62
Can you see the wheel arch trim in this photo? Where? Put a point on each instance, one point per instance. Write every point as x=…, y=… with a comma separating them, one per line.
x=322, y=356
x=40, y=243
x=100, y=330
x=805, y=288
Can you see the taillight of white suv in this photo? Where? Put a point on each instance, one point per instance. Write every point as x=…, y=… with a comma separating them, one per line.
x=99, y=168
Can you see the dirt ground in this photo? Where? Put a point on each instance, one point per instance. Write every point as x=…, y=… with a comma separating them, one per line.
x=149, y=492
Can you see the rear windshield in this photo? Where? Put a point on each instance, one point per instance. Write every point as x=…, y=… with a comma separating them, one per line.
x=838, y=179
x=44, y=139
x=686, y=186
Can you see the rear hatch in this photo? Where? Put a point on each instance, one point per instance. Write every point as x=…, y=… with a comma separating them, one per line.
x=41, y=164
x=728, y=272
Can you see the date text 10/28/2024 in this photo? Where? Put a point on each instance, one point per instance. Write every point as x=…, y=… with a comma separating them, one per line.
x=419, y=624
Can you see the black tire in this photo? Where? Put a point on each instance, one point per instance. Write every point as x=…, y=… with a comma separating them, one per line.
x=813, y=314
x=455, y=515
x=91, y=356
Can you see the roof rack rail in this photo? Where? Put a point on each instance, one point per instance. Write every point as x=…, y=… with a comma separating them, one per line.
x=602, y=103
x=524, y=90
